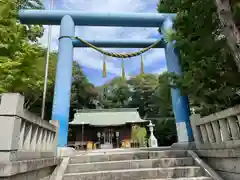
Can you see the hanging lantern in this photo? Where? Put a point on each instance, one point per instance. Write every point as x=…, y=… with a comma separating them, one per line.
x=142, y=66
x=123, y=70
x=104, y=67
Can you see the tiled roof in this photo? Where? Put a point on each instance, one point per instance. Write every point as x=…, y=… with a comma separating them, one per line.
x=107, y=117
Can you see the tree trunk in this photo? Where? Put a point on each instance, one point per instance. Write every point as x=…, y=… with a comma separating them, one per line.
x=230, y=29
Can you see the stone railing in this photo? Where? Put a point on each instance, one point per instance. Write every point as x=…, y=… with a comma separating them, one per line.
x=217, y=139
x=217, y=131
x=23, y=135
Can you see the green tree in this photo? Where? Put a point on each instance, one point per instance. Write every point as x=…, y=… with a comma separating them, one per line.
x=144, y=87
x=149, y=93
x=229, y=13
x=22, y=59
x=35, y=106
x=29, y=4
x=115, y=94
x=22, y=62
x=210, y=72
x=165, y=132
x=161, y=98
x=84, y=93
x=20, y=55
x=138, y=134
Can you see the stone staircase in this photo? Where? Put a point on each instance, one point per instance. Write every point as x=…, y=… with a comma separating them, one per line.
x=135, y=165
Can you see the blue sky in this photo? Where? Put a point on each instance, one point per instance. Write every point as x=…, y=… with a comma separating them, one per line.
x=90, y=60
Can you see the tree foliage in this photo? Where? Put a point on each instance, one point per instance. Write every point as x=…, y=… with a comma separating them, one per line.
x=22, y=61
x=114, y=94
x=149, y=93
x=83, y=93
x=139, y=134
x=210, y=72
x=228, y=15
x=143, y=89
x=29, y=4
x=165, y=132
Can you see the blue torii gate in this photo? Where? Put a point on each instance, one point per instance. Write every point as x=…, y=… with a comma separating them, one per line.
x=68, y=20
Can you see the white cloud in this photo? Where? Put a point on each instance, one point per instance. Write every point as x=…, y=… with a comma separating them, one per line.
x=108, y=5
x=55, y=36
x=160, y=71
x=155, y=55
x=92, y=59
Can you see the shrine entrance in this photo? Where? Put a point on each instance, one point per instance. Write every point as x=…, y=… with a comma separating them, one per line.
x=108, y=134
x=68, y=41
x=107, y=138
x=107, y=128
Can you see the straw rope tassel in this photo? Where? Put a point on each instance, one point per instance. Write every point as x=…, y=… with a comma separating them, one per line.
x=123, y=70
x=104, y=67
x=142, y=66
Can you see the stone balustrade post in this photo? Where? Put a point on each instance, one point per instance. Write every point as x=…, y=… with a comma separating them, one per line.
x=196, y=131
x=224, y=130
x=28, y=137
x=22, y=134
x=210, y=132
x=204, y=133
x=40, y=139
x=232, y=121
x=34, y=138
x=55, y=138
x=49, y=141
x=43, y=145
x=217, y=133
x=11, y=104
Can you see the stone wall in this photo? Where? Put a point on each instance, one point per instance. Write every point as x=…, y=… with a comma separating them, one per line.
x=36, y=169
x=226, y=162
x=217, y=139
x=40, y=174
x=28, y=144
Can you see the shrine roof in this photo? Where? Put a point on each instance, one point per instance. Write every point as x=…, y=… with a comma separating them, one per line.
x=107, y=117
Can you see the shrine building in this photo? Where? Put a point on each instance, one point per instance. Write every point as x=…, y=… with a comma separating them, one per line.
x=105, y=127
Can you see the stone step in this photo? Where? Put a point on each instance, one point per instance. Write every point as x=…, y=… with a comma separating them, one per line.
x=136, y=174
x=128, y=156
x=117, y=150
x=188, y=178
x=130, y=164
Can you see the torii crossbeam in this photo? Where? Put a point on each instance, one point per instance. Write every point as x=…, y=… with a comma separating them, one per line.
x=68, y=20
